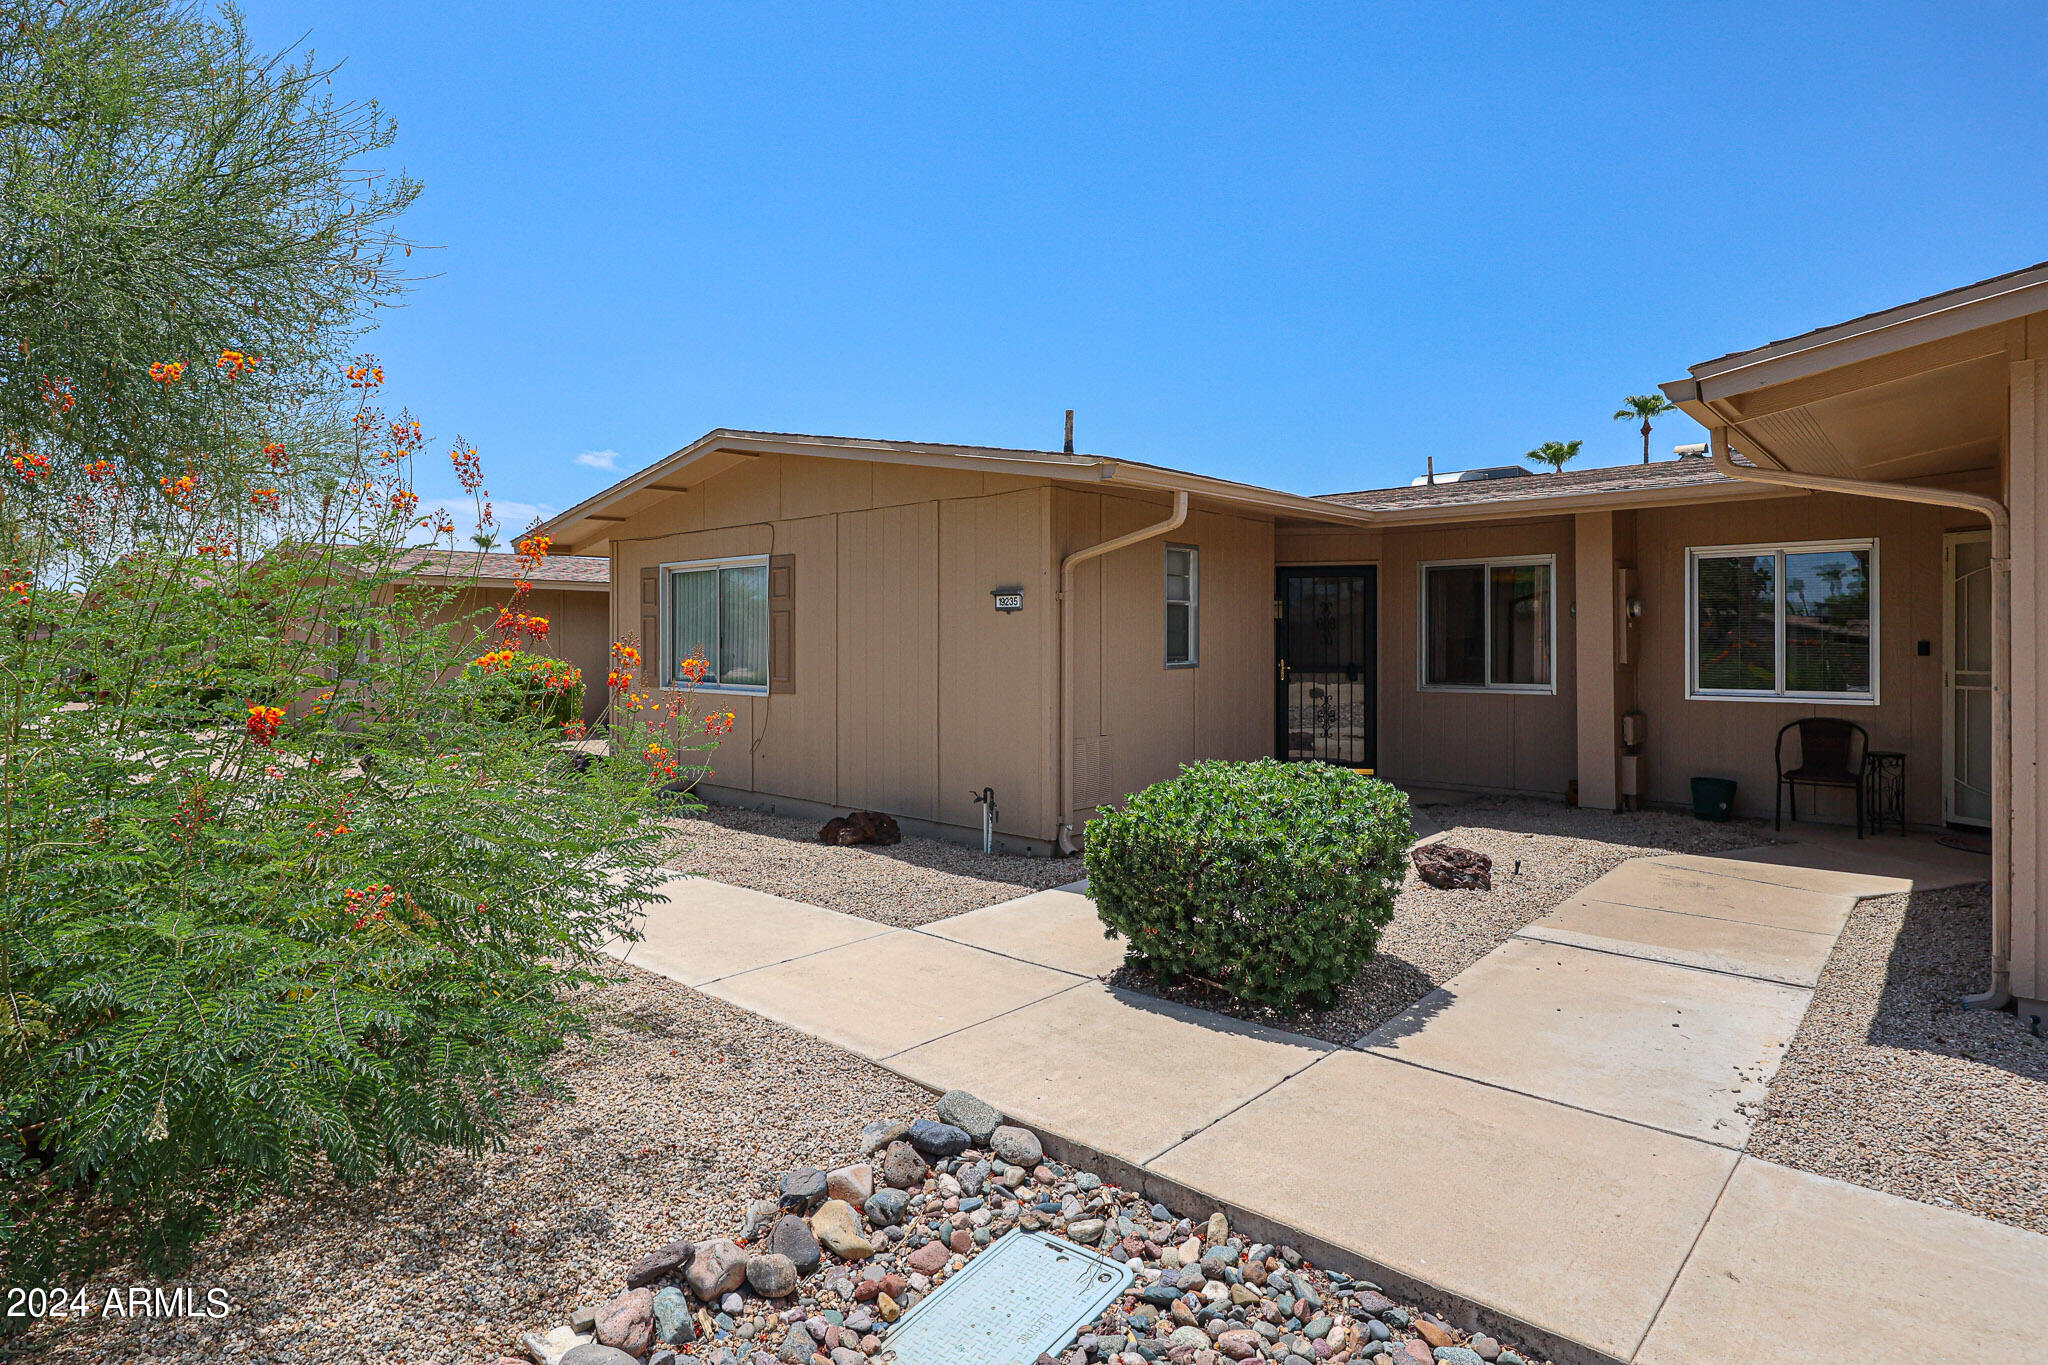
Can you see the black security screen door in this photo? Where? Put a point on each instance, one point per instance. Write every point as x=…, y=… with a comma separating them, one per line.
x=1328, y=647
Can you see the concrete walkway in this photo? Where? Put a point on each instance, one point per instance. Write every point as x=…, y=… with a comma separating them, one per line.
x=1554, y=1137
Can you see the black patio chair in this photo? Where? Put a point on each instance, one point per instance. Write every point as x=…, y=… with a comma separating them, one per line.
x=1832, y=753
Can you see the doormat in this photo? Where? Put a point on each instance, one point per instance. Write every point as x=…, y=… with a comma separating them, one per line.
x=1024, y=1297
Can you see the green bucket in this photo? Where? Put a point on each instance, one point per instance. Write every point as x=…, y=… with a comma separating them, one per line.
x=1713, y=798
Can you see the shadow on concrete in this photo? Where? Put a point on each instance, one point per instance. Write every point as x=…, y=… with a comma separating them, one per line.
x=1410, y=1021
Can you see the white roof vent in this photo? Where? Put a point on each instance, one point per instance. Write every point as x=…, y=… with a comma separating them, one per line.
x=1499, y=471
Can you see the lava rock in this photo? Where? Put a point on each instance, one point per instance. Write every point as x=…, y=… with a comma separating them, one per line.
x=975, y=1117
x=1450, y=868
x=937, y=1140
x=1018, y=1146
x=860, y=827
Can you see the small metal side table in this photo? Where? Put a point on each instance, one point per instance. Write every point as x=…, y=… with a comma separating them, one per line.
x=1884, y=789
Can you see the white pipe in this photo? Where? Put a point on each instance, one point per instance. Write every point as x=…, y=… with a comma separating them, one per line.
x=1063, y=841
x=1995, y=512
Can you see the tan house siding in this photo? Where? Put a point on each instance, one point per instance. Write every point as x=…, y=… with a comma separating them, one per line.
x=1509, y=741
x=1148, y=718
x=1719, y=738
x=910, y=690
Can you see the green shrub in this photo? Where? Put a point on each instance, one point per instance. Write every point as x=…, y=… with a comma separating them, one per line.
x=1271, y=881
x=512, y=683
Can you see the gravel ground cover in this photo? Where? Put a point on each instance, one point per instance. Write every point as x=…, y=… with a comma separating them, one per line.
x=1889, y=1084
x=681, y=1102
x=906, y=884
x=721, y=1190
x=1542, y=853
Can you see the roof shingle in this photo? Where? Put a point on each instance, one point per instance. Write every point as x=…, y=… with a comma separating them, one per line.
x=1535, y=488
x=430, y=563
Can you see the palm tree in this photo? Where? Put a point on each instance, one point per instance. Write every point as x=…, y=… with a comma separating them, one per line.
x=484, y=540
x=1645, y=406
x=1556, y=454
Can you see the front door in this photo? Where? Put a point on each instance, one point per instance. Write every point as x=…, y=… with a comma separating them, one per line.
x=1328, y=666
x=1966, y=679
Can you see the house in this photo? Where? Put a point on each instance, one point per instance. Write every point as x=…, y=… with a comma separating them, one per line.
x=572, y=591
x=905, y=626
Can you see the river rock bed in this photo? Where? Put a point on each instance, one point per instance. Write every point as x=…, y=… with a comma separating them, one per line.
x=816, y=1274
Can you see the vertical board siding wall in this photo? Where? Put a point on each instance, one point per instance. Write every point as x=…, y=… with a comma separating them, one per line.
x=1717, y=738
x=1136, y=720
x=909, y=690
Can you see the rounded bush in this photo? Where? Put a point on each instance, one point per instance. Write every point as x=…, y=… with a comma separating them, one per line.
x=514, y=684
x=1269, y=880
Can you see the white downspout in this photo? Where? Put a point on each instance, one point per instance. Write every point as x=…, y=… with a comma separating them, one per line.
x=1995, y=512
x=1063, y=840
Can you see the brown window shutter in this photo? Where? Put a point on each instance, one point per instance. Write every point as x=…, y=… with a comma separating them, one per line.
x=781, y=623
x=650, y=626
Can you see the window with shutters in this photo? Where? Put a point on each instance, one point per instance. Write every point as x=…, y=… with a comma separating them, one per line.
x=1488, y=625
x=717, y=610
x=1782, y=622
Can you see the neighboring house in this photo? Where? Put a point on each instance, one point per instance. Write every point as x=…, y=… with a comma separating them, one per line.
x=572, y=591
x=888, y=619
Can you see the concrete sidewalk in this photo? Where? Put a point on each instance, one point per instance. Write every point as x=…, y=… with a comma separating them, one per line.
x=1554, y=1138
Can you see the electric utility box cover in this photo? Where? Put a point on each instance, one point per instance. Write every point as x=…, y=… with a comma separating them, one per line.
x=1024, y=1297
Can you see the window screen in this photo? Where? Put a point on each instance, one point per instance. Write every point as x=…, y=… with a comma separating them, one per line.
x=1784, y=621
x=719, y=613
x=1488, y=625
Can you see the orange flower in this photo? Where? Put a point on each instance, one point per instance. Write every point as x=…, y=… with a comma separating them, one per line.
x=234, y=362
x=20, y=591
x=469, y=470
x=267, y=499
x=99, y=469
x=179, y=488
x=617, y=681
x=404, y=500
x=167, y=371
x=694, y=669
x=625, y=655
x=31, y=466
x=274, y=452
x=262, y=724
x=719, y=723
x=58, y=394
x=366, y=373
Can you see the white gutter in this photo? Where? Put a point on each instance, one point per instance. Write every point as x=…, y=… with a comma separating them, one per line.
x=1995, y=512
x=1063, y=840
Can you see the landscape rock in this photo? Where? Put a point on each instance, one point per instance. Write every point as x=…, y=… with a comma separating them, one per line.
x=1457, y=1355
x=975, y=1117
x=838, y=1227
x=597, y=1353
x=879, y=1134
x=549, y=1347
x=1450, y=868
x=903, y=1168
x=658, y=1265
x=772, y=1276
x=801, y=1191
x=673, y=1323
x=1018, y=1146
x=716, y=1269
x=860, y=827
x=937, y=1141
x=930, y=1258
x=852, y=1183
x=792, y=1237
x=627, y=1322
x=885, y=1207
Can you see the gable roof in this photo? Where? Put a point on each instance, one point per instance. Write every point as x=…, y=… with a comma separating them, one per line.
x=722, y=449
x=573, y=572
x=1534, y=494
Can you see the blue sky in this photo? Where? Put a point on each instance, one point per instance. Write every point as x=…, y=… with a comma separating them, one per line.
x=1300, y=246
